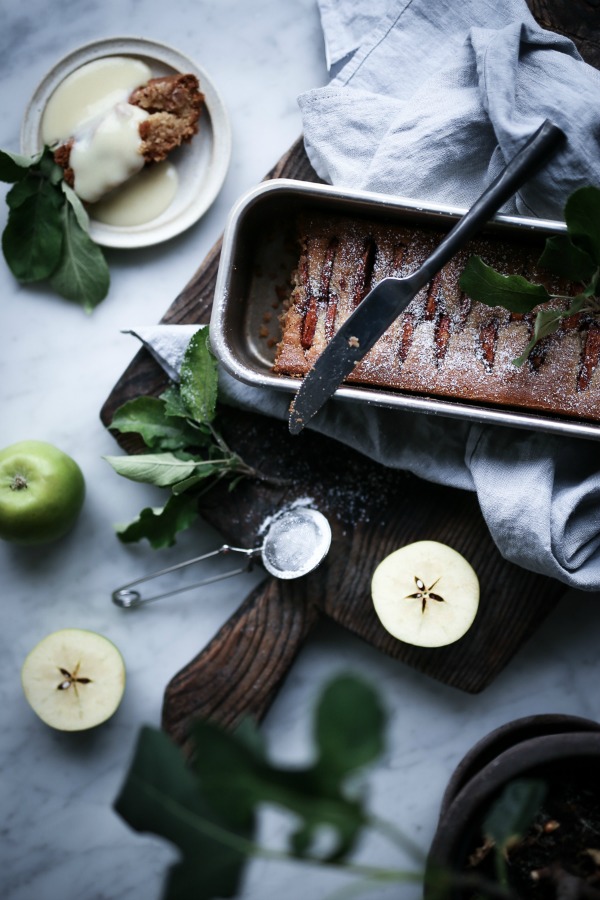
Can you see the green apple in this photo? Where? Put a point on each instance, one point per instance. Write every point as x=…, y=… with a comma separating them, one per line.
x=41, y=492
x=425, y=594
x=74, y=679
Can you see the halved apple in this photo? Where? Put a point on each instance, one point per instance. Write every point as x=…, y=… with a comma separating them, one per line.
x=425, y=594
x=74, y=679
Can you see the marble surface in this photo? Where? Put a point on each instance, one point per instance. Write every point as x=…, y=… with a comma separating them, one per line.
x=61, y=837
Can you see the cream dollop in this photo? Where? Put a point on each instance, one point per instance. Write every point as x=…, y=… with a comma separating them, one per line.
x=143, y=198
x=108, y=152
x=88, y=93
x=90, y=109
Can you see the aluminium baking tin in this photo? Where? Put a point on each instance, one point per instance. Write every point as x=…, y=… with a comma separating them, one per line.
x=258, y=256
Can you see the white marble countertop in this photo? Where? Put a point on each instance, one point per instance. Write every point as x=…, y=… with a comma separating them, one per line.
x=61, y=837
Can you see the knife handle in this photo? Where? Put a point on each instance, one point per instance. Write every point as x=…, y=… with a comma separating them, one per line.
x=520, y=168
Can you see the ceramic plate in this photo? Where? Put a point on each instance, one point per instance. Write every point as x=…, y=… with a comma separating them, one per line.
x=201, y=165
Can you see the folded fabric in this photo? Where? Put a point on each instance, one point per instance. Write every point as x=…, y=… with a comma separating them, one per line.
x=432, y=103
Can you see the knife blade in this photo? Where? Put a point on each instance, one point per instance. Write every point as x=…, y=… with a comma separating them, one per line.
x=384, y=303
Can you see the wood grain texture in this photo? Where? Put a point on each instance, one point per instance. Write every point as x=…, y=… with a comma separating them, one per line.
x=240, y=670
x=372, y=511
x=578, y=20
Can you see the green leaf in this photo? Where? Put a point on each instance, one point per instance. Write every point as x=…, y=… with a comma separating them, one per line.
x=236, y=781
x=78, y=208
x=49, y=168
x=514, y=810
x=230, y=770
x=199, y=378
x=562, y=257
x=509, y=818
x=174, y=405
x=32, y=241
x=161, y=526
x=83, y=274
x=483, y=284
x=248, y=733
x=207, y=470
x=350, y=724
x=161, y=795
x=14, y=167
x=146, y=416
x=161, y=469
x=22, y=191
x=209, y=810
x=582, y=215
x=547, y=322
x=238, y=778
x=47, y=231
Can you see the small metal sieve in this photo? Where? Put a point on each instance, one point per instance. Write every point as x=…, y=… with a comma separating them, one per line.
x=296, y=541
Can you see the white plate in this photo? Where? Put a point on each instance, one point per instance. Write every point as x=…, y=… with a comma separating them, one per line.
x=201, y=165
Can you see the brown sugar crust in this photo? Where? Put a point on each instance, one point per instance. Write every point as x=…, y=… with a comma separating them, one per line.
x=174, y=105
x=443, y=343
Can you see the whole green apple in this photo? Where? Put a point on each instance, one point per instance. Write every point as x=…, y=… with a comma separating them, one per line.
x=41, y=492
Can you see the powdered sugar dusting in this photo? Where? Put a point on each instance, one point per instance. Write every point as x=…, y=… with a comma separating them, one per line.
x=443, y=344
x=296, y=541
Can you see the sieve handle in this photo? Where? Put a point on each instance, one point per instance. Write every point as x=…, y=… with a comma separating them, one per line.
x=127, y=597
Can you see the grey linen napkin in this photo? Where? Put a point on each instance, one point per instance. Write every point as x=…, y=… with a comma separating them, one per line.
x=428, y=100
x=431, y=99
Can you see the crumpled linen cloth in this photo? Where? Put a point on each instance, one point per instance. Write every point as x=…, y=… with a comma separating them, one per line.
x=427, y=100
x=430, y=100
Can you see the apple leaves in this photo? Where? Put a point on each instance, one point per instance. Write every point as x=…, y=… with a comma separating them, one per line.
x=46, y=236
x=199, y=380
x=208, y=808
x=188, y=455
x=482, y=283
x=574, y=256
x=153, y=420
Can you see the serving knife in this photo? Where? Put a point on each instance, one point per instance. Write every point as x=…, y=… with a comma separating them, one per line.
x=391, y=296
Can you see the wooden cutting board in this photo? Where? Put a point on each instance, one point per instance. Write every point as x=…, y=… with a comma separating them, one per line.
x=372, y=511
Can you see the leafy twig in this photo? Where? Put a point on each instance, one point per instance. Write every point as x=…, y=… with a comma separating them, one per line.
x=574, y=256
x=188, y=453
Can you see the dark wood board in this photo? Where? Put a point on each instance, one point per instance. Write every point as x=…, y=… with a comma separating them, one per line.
x=372, y=511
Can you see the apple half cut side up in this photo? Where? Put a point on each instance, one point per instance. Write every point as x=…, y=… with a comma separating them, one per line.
x=74, y=679
x=425, y=594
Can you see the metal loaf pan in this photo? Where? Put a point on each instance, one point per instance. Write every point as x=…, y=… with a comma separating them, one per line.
x=259, y=254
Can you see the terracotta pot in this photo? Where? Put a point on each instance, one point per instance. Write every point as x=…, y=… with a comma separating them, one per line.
x=526, y=747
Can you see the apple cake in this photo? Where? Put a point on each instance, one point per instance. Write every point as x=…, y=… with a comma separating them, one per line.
x=443, y=344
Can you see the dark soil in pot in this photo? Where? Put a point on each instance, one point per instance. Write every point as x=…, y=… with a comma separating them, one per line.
x=559, y=854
